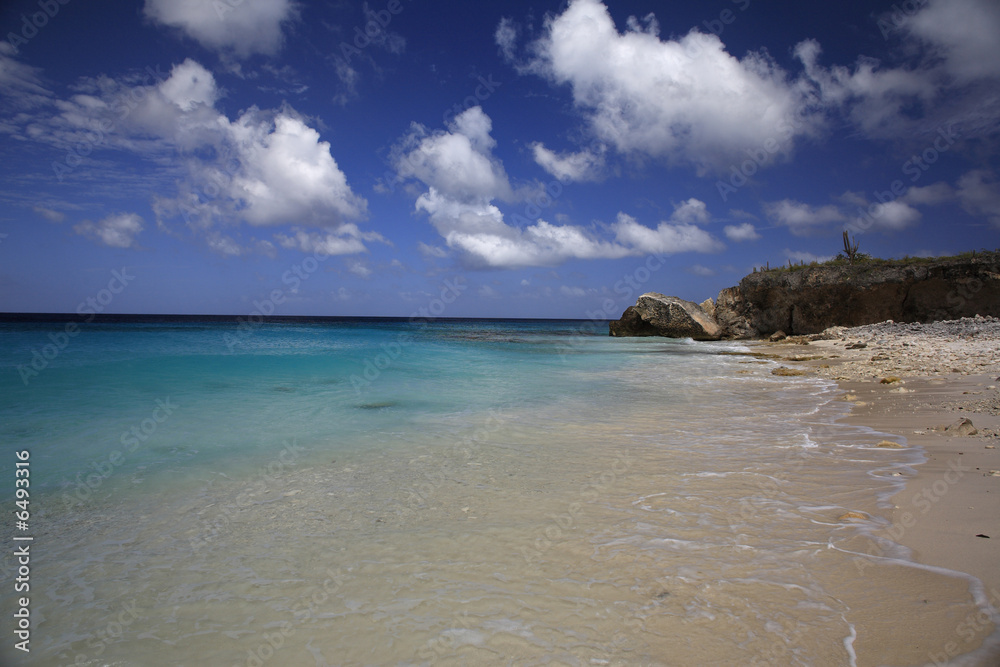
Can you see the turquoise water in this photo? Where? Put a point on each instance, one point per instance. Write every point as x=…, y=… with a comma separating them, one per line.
x=456, y=492
x=198, y=401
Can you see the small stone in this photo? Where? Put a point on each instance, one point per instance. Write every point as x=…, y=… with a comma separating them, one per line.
x=788, y=372
x=778, y=335
x=889, y=444
x=962, y=427
x=853, y=515
x=892, y=379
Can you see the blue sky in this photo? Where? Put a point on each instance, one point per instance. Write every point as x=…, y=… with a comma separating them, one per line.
x=551, y=159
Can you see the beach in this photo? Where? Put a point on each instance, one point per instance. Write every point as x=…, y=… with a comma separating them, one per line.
x=486, y=492
x=920, y=382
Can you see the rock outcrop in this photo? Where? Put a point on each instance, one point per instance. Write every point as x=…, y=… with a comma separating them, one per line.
x=655, y=314
x=811, y=299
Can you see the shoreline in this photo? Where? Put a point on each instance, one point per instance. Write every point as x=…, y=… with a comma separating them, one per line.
x=915, y=382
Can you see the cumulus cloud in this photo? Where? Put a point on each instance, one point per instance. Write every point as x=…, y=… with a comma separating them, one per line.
x=570, y=167
x=347, y=240
x=686, y=99
x=963, y=34
x=263, y=168
x=667, y=239
x=241, y=29
x=741, y=233
x=950, y=62
x=458, y=163
x=117, y=231
x=895, y=215
x=464, y=180
x=930, y=195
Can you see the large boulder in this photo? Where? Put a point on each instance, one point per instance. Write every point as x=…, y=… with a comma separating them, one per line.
x=655, y=314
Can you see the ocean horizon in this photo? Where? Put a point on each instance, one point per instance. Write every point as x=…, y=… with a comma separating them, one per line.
x=450, y=491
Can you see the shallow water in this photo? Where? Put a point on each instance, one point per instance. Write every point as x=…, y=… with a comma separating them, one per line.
x=472, y=492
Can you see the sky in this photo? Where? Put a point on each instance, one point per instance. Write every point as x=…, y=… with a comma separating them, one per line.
x=479, y=159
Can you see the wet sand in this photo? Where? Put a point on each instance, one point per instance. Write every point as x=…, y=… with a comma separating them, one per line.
x=948, y=514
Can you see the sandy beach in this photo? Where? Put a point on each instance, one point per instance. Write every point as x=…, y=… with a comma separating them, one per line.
x=921, y=382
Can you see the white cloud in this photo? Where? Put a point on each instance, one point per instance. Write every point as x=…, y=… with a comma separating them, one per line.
x=950, y=60
x=963, y=33
x=703, y=271
x=930, y=195
x=359, y=269
x=873, y=98
x=49, y=214
x=21, y=85
x=979, y=194
x=572, y=292
x=265, y=168
x=270, y=168
x=684, y=99
x=243, y=28
x=463, y=179
x=570, y=167
x=345, y=241
x=667, y=238
x=691, y=211
x=117, y=231
x=896, y=215
x=741, y=233
x=431, y=251
x=802, y=218
x=459, y=163
x=506, y=37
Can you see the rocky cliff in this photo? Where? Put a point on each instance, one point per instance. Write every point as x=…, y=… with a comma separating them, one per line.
x=807, y=300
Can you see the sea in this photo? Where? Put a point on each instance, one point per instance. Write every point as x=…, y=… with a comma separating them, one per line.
x=309, y=491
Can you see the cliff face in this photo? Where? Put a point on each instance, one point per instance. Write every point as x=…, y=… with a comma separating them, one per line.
x=810, y=299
